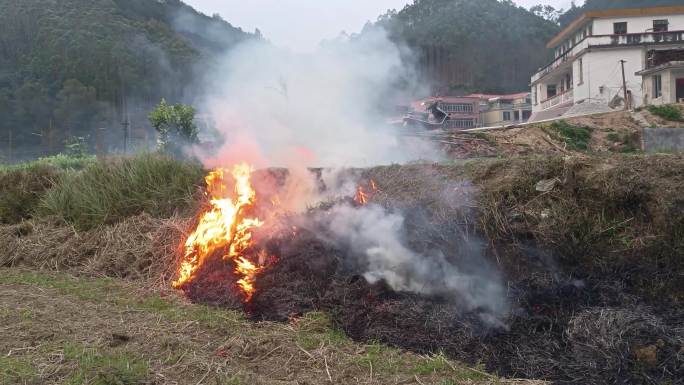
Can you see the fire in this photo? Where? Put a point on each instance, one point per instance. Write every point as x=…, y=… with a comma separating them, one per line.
x=363, y=196
x=224, y=228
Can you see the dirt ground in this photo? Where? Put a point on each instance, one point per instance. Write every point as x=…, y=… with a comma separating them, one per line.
x=610, y=132
x=58, y=329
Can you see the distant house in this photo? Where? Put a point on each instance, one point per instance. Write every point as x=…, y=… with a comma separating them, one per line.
x=586, y=74
x=663, y=76
x=453, y=112
x=502, y=110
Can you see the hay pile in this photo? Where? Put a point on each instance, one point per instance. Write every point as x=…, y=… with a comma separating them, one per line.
x=139, y=248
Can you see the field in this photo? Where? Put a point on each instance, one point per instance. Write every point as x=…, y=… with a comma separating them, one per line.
x=589, y=247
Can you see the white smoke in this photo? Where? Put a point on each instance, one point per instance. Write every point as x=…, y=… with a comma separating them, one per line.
x=321, y=109
x=378, y=238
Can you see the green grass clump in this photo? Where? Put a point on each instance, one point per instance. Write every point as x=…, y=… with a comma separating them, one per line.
x=15, y=370
x=576, y=137
x=21, y=189
x=667, y=112
x=104, y=368
x=106, y=192
x=59, y=161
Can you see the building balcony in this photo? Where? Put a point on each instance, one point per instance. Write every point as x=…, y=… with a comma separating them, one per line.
x=607, y=41
x=565, y=97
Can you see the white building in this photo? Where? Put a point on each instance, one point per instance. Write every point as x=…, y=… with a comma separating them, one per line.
x=586, y=74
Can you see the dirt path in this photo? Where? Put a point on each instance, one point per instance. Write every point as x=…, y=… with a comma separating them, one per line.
x=58, y=329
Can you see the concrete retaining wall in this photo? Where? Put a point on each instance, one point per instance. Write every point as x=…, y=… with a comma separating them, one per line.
x=663, y=139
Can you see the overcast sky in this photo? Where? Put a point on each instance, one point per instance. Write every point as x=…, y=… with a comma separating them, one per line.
x=302, y=24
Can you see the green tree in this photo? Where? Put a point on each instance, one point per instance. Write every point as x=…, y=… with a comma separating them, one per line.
x=472, y=45
x=124, y=54
x=175, y=125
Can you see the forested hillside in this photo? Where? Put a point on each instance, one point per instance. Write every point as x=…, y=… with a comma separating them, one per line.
x=472, y=45
x=82, y=67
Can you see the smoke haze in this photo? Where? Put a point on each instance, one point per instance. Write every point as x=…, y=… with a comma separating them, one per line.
x=378, y=237
x=324, y=109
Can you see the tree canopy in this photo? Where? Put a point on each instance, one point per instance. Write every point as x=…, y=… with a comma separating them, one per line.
x=68, y=67
x=472, y=45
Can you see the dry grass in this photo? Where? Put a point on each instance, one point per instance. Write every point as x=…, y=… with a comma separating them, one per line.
x=140, y=247
x=613, y=215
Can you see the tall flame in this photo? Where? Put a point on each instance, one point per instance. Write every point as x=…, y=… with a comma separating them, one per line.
x=224, y=227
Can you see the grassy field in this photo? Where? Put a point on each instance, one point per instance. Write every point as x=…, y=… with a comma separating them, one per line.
x=60, y=329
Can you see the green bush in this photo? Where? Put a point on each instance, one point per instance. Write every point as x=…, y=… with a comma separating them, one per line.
x=667, y=112
x=576, y=137
x=106, y=192
x=21, y=189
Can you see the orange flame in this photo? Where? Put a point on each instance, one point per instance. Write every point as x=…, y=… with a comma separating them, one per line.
x=224, y=226
x=364, y=196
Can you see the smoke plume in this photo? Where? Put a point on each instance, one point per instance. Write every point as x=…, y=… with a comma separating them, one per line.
x=328, y=108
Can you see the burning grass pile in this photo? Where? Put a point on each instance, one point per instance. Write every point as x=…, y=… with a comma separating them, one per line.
x=588, y=250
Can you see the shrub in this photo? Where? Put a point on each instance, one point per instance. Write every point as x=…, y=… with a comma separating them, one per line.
x=667, y=112
x=576, y=137
x=105, y=193
x=21, y=188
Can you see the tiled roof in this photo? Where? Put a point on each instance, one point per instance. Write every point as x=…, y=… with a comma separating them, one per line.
x=501, y=96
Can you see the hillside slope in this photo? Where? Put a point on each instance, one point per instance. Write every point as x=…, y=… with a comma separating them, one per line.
x=68, y=66
x=472, y=45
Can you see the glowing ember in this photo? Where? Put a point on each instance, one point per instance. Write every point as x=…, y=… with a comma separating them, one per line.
x=363, y=196
x=224, y=227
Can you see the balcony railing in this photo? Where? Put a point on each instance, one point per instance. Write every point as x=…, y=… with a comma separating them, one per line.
x=567, y=96
x=610, y=40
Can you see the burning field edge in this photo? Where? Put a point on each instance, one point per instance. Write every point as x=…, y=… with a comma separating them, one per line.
x=589, y=249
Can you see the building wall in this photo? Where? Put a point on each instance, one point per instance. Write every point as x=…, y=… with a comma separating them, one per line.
x=601, y=68
x=496, y=117
x=668, y=87
x=542, y=87
x=492, y=117
x=676, y=74
x=637, y=24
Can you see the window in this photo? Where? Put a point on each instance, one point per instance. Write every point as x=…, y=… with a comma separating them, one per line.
x=506, y=116
x=461, y=123
x=457, y=107
x=660, y=25
x=657, y=86
x=516, y=115
x=550, y=91
x=580, y=64
x=620, y=28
